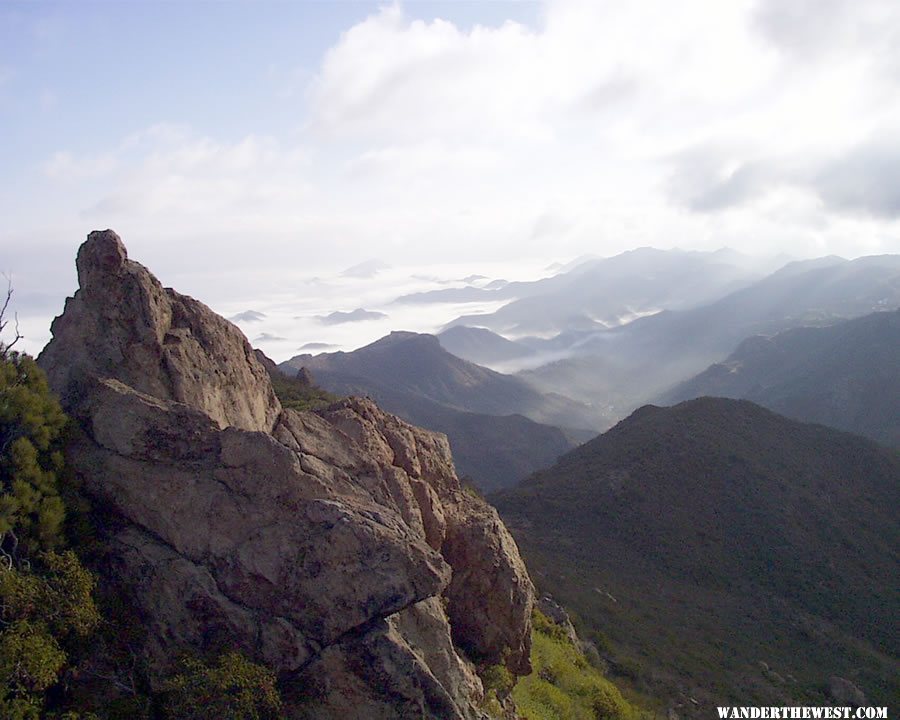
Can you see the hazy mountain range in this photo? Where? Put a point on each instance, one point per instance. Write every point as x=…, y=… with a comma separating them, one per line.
x=703, y=305
x=607, y=292
x=626, y=366
x=359, y=315
x=845, y=375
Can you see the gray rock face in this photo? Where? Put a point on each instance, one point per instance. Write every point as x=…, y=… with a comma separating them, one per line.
x=123, y=324
x=337, y=547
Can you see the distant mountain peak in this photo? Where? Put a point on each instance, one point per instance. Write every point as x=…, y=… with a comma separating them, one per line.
x=404, y=336
x=248, y=316
x=366, y=269
x=359, y=315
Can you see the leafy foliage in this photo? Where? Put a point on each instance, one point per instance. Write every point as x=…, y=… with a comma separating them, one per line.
x=234, y=689
x=498, y=682
x=297, y=395
x=46, y=597
x=31, y=424
x=61, y=596
x=41, y=610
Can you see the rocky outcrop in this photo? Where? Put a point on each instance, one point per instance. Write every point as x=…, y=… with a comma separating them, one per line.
x=123, y=325
x=845, y=692
x=557, y=614
x=337, y=547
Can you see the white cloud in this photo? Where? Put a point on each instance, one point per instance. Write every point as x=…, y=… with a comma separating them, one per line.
x=64, y=166
x=426, y=138
x=392, y=79
x=590, y=108
x=168, y=173
x=811, y=29
x=605, y=126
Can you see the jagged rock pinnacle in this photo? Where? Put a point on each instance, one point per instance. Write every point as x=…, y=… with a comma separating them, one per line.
x=337, y=547
x=103, y=253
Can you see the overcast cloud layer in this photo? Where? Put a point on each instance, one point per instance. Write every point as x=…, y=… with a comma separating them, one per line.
x=766, y=126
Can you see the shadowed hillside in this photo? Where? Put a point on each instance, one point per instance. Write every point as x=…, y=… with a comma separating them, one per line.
x=417, y=364
x=480, y=345
x=701, y=540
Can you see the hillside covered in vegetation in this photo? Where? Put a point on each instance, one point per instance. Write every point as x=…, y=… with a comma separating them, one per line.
x=719, y=551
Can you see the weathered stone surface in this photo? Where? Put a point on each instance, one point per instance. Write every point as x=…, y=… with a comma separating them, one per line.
x=192, y=610
x=326, y=545
x=398, y=668
x=123, y=324
x=490, y=592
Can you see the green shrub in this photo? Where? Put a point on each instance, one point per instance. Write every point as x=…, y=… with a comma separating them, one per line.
x=42, y=609
x=233, y=689
x=546, y=626
x=296, y=395
x=30, y=662
x=563, y=685
x=498, y=683
x=58, y=593
x=31, y=425
x=498, y=679
x=46, y=597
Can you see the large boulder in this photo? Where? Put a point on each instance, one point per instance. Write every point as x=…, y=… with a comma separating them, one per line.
x=337, y=547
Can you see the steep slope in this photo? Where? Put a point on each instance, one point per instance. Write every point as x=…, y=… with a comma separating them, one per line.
x=650, y=355
x=337, y=547
x=846, y=375
x=702, y=540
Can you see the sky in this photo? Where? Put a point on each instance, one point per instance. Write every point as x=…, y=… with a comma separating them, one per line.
x=247, y=151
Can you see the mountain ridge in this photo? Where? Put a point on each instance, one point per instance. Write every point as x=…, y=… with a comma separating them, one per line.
x=417, y=362
x=649, y=355
x=412, y=375
x=704, y=538
x=845, y=375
